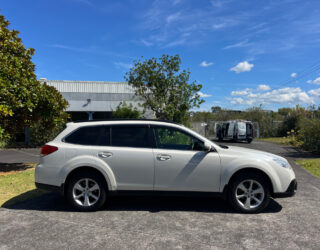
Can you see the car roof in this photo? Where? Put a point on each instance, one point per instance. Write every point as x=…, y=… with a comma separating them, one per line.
x=123, y=121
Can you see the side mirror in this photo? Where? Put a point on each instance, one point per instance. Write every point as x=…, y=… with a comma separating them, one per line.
x=207, y=147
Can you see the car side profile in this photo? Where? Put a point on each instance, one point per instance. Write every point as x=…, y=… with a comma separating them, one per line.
x=89, y=161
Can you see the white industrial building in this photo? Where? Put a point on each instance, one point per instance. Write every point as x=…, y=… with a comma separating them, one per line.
x=91, y=100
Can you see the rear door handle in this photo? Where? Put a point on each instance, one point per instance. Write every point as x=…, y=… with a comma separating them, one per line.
x=104, y=154
x=162, y=157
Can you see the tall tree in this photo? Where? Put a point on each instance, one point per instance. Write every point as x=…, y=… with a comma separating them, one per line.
x=23, y=100
x=164, y=88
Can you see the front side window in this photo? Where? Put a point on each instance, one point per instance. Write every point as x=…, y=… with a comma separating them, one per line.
x=130, y=136
x=91, y=135
x=171, y=138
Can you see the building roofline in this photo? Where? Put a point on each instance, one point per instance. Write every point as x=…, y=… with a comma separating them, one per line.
x=75, y=81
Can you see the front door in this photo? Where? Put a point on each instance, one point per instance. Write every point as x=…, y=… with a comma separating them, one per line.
x=181, y=164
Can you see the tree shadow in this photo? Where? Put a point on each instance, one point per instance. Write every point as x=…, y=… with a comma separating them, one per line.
x=297, y=153
x=8, y=167
x=190, y=167
x=55, y=202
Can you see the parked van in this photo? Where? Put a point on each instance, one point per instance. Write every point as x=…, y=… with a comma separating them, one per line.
x=235, y=130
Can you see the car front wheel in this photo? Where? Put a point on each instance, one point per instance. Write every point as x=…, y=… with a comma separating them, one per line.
x=86, y=191
x=249, y=193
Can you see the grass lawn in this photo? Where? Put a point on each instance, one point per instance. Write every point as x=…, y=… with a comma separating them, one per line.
x=278, y=140
x=312, y=165
x=17, y=183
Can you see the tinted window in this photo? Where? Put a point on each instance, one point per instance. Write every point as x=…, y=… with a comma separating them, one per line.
x=95, y=135
x=170, y=138
x=130, y=136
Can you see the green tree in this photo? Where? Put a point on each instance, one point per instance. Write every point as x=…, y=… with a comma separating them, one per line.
x=215, y=109
x=164, y=88
x=23, y=100
x=124, y=111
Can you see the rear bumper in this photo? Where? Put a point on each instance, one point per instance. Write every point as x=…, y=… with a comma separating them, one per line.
x=291, y=191
x=49, y=187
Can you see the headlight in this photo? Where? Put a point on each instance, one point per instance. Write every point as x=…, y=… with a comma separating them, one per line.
x=281, y=162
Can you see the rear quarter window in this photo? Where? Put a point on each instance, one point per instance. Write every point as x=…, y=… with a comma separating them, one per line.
x=90, y=135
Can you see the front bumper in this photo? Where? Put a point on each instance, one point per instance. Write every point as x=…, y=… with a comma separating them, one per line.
x=291, y=191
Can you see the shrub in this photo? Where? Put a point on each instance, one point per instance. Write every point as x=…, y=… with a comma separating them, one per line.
x=309, y=134
x=125, y=111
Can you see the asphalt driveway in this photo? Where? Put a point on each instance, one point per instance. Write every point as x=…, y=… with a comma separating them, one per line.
x=23, y=155
x=166, y=223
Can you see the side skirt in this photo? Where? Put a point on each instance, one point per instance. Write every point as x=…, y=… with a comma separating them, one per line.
x=166, y=193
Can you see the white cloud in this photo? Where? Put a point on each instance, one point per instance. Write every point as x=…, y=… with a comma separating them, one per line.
x=203, y=95
x=242, y=67
x=146, y=43
x=315, y=81
x=123, y=65
x=237, y=100
x=242, y=44
x=219, y=3
x=279, y=96
x=263, y=87
x=241, y=92
x=87, y=2
x=165, y=22
x=206, y=64
x=315, y=92
x=293, y=75
x=175, y=2
x=173, y=17
x=175, y=43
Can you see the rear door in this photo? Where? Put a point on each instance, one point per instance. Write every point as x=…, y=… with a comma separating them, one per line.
x=126, y=149
x=181, y=164
x=130, y=157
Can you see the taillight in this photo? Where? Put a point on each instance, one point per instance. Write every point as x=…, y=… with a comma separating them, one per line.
x=47, y=149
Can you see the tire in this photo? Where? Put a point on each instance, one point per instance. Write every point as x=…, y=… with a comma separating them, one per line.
x=86, y=191
x=238, y=197
x=220, y=139
x=249, y=140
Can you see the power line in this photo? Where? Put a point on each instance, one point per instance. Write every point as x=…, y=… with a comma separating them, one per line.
x=313, y=68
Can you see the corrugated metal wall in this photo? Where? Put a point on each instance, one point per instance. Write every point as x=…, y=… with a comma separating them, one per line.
x=89, y=87
x=85, y=96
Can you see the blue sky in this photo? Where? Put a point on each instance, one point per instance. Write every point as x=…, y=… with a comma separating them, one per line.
x=244, y=53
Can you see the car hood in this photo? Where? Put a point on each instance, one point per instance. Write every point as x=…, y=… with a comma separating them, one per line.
x=252, y=153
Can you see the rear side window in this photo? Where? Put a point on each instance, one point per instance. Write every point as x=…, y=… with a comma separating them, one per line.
x=93, y=135
x=130, y=136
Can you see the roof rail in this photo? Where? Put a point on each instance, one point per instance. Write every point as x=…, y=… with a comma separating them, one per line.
x=125, y=119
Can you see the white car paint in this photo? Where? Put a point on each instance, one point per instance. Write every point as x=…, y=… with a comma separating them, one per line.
x=142, y=169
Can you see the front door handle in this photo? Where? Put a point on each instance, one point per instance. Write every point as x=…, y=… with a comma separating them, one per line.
x=162, y=157
x=104, y=154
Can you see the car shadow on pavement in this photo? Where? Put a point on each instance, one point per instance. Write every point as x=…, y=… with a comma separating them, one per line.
x=231, y=141
x=55, y=202
x=8, y=167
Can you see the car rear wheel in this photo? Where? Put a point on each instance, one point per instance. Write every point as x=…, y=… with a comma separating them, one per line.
x=249, y=193
x=86, y=191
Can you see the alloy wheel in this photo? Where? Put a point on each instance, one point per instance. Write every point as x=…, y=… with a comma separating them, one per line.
x=249, y=194
x=86, y=192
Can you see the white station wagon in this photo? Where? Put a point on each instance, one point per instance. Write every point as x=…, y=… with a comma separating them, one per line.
x=90, y=160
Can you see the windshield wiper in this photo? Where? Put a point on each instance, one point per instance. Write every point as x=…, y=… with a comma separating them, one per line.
x=223, y=146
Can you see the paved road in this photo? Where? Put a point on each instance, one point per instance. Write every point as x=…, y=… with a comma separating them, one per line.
x=166, y=223
x=24, y=155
